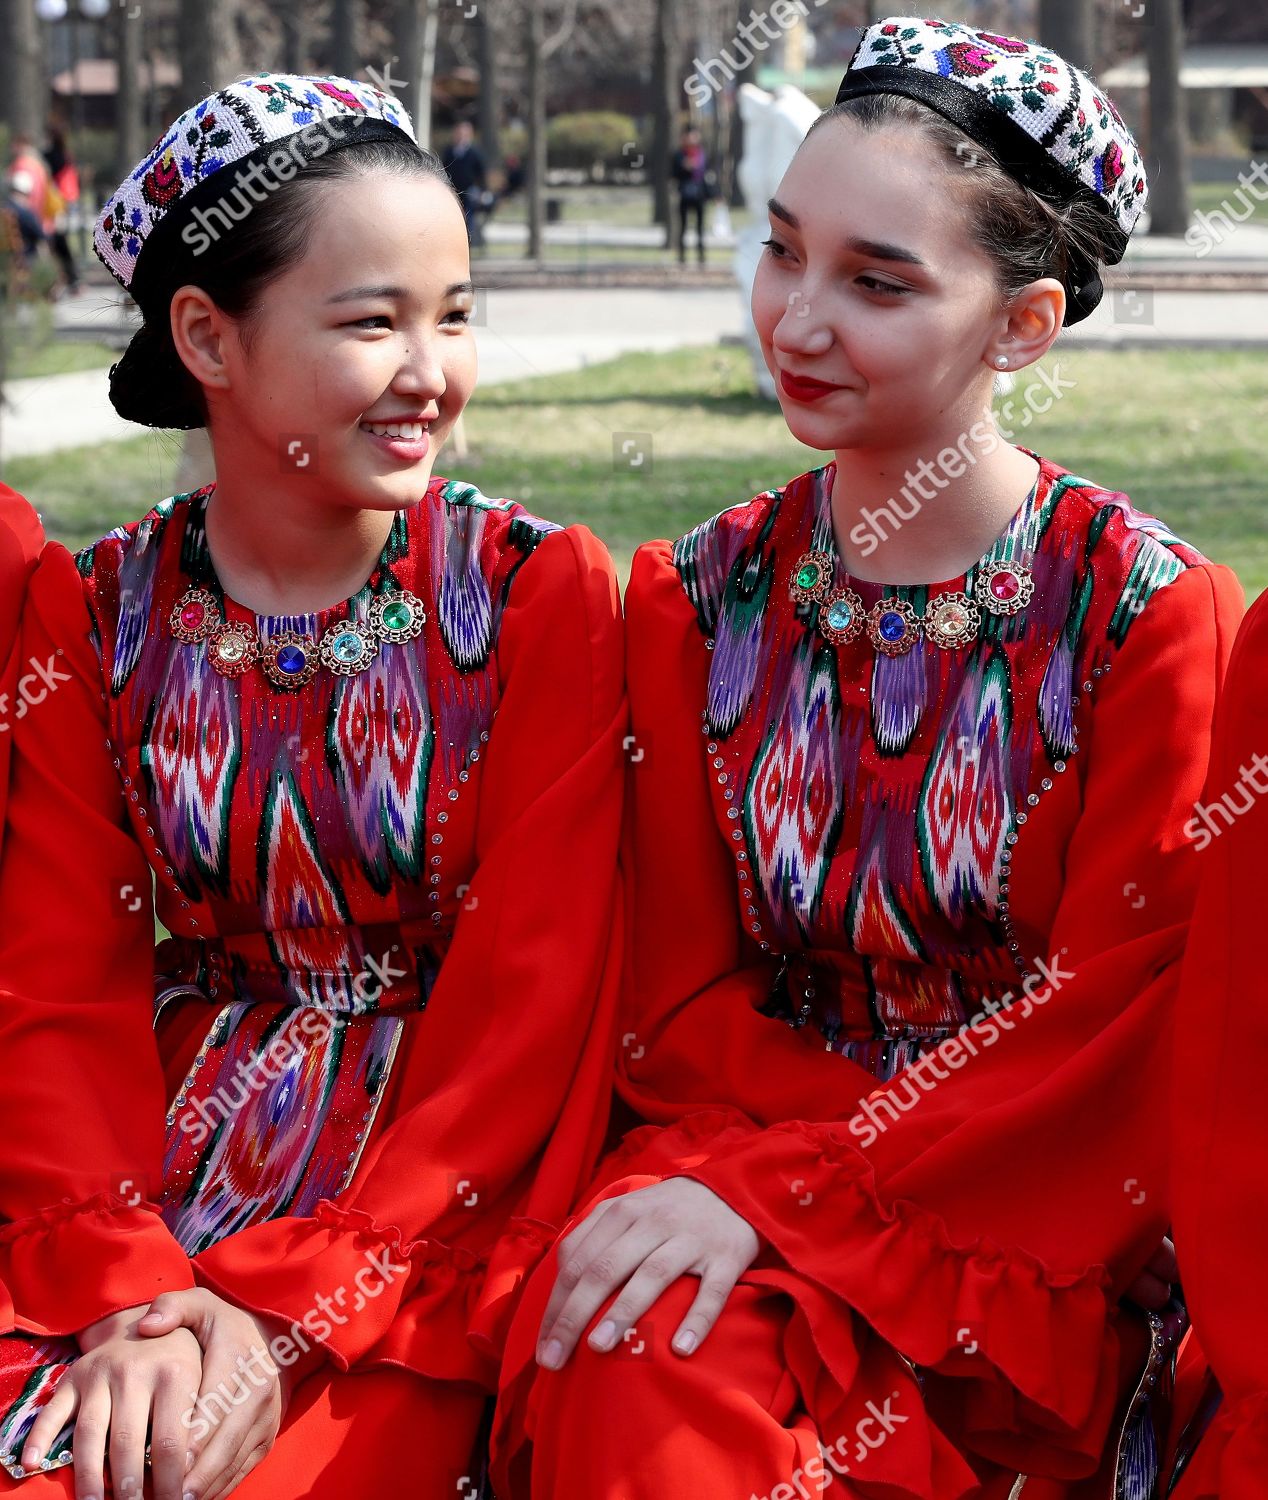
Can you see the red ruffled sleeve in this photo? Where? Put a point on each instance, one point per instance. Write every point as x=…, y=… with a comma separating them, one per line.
x=1022, y=1193
x=1221, y=1127
x=83, y=1092
x=21, y=538
x=510, y=1095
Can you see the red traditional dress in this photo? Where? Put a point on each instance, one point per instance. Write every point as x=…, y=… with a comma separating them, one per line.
x=1221, y=1129
x=384, y=1016
x=838, y=856
x=21, y=538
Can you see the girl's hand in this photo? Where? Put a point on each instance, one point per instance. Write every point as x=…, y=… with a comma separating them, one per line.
x=119, y=1386
x=645, y=1240
x=242, y=1398
x=1152, y=1288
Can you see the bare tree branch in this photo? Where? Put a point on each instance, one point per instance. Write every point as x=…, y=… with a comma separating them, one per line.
x=552, y=44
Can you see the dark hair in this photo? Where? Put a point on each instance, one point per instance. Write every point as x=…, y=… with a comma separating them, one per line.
x=1026, y=234
x=150, y=384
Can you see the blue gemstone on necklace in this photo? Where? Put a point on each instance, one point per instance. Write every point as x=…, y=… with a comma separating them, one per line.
x=840, y=615
x=348, y=647
x=893, y=627
x=291, y=660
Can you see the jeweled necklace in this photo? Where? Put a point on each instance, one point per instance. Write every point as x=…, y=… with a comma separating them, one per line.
x=951, y=620
x=290, y=658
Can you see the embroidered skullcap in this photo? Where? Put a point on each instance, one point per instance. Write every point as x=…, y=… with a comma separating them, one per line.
x=203, y=175
x=279, y=118
x=1048, y=124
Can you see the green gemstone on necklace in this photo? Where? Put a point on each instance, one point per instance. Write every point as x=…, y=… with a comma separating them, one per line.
x=808, y=576
x=398, y=615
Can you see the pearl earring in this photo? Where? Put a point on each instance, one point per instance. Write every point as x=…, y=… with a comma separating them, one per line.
x=1002, y=361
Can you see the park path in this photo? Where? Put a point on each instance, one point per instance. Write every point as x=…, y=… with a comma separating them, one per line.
x=519, y=334
x=522, y=332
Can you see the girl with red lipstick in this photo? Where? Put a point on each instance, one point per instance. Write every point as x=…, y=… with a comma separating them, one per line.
x=269, y=1189
x=921, y=732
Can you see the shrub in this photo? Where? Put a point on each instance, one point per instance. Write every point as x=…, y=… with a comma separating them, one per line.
x=598, y=142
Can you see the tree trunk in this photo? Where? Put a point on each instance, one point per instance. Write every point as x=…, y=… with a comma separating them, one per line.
x=665, y=107
x=535, y=182
x=294, y=36
x=208, y=45
x=22, y=82
x=490, y=101
x=735, y=150
x=1168, y=133
x=345, y=50
x=129, y=132
x=415, y=34
x=1068, y=27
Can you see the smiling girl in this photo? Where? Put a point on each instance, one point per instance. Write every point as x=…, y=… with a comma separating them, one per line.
x=361, y=729
x=908, y=870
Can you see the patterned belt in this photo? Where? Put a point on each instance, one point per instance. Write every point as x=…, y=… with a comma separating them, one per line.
x=276, y=1107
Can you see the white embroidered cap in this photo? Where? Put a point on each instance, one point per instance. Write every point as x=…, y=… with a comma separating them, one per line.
x=1047, y=123
x=259, y=120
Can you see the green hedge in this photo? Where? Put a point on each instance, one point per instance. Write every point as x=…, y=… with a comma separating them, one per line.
x=598, y=142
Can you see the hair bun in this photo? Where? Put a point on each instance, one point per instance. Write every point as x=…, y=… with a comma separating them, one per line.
x=1084, y=287
x=151, y=386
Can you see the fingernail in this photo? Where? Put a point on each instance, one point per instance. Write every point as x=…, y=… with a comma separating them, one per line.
x=31, y=1458
x=686, y=1342
x=189, y=1460
x=552, y=1354
x=189, y=1495
x=152, y=1317
x=604, y=1336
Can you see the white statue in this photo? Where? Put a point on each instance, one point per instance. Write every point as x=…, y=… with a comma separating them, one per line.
x=774, y=126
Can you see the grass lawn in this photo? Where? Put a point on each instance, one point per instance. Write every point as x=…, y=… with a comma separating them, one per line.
x=600, y=205
x=56, y=357
x=1206, y=196
x=1180, y=432
x=31, y=347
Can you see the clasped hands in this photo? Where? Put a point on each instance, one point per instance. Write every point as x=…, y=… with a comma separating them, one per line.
x=191, y=1369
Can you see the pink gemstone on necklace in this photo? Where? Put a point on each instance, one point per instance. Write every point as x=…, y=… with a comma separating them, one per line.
x=192, y=616
x=1005, y=585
